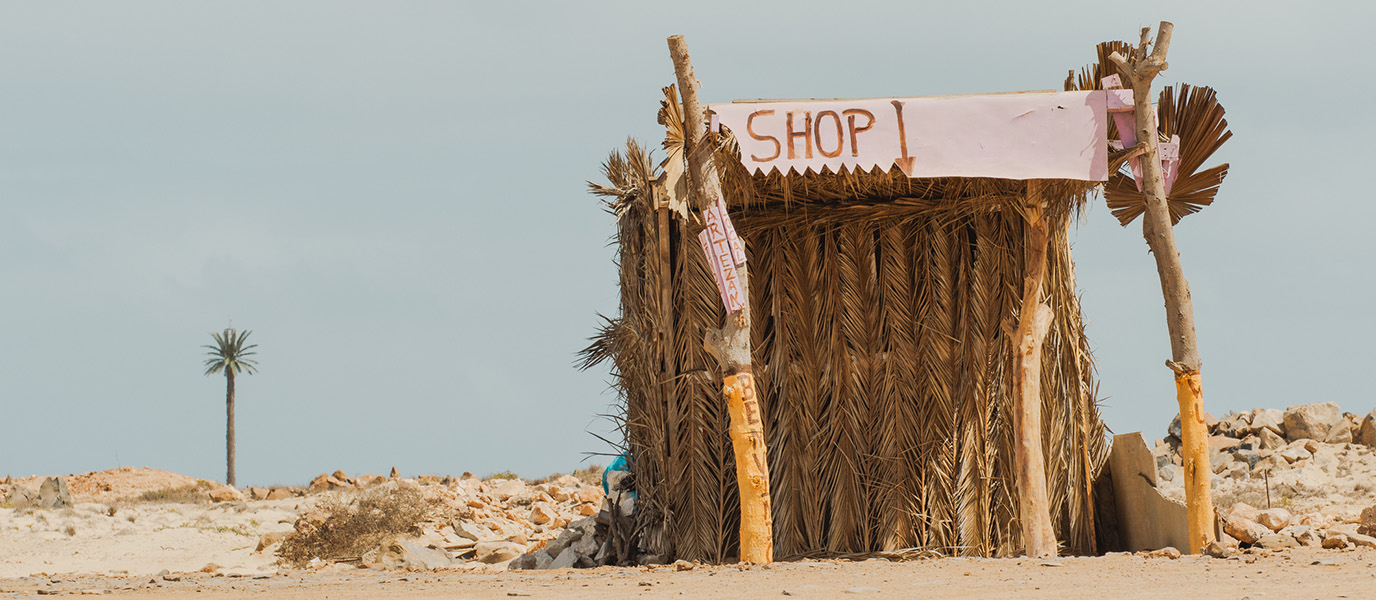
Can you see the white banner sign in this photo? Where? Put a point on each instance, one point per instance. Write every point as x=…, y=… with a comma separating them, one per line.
x=1034, y=135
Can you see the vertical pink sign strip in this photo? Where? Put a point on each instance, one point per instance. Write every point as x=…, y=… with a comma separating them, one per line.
x=723, y=270
x=737, y=247
x=1170, y=161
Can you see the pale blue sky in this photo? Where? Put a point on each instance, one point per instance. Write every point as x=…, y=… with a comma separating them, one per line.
x=390, y=195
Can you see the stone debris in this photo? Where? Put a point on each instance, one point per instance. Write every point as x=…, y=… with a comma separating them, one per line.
x=501, y=522
x=407, y=555
x=1302, y=476
x=587, y=542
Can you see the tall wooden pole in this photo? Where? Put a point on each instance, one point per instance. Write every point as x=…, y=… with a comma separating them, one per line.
x=1156, y=228
x=730, y=344
x=1034, y=320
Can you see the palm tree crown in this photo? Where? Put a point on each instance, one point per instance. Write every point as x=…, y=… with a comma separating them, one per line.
x=230, y=353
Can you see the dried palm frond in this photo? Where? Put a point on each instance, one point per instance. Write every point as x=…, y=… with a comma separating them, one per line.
x=1197, y=117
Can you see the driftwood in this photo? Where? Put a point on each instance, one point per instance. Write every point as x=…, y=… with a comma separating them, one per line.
x=730, y=344
x=1034, y=320
x=1156, y=228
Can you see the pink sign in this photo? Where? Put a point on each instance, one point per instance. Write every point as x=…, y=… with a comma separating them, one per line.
x=724, y=252
x=1034, y=135
x=718, y=223
x=723, y=269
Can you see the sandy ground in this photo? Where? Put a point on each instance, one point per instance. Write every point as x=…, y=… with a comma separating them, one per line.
x=142, y=539
x=1298, y=574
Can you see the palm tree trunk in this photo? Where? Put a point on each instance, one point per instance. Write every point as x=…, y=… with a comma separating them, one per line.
x=229, y=429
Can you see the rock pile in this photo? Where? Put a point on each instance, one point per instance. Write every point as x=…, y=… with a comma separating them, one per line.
x=476, y=522
x=52, y=493
x=588, y=542
x=1312, y=466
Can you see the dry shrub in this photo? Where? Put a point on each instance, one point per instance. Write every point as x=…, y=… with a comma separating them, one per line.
x=589, y=476
x=348, y=526
x=189, y=494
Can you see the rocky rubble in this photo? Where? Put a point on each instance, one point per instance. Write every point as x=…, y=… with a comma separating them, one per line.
x=588, y=542
x=1302, y=476
x=474, y=523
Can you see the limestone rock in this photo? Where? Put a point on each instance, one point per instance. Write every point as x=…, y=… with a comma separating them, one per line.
x=1340, y=434
x=1307, y=536
x=21, y=496
x=1295, y=453
x=471, y=531
x=53, y=493
x=1270, y=440
x=279, y=494
x=592, y=495
x=1277, y=541
x=1335, y=541
x=1168, y=552
x=565, y=560
x=1246, y=531
x=370, y=480
x=586, y=545
x=495, y=552
x=541, y=514
x=225, y=493
x=1364, y=541
x=543, y=559
x=1269, y=419
x=1216, y=549
x=1311, y=421
x=1366, y=434
x=1219, y=461
x=258, y=493
x=524, y=561
x=1274, y=519
x=1173, y=430
x=1223, y=443
x=1244, y=510
x=509, y=489
x=566, y=538
x=1248, y=456
x=410, y=556
x=1367, y=523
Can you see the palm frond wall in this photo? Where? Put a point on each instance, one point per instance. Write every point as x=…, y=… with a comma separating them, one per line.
x=884, y=374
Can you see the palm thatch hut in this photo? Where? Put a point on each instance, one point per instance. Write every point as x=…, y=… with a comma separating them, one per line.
x=880, y=354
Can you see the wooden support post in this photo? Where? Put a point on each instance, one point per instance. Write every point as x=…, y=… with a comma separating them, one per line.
x=1156, y=228
x=1034, y=320
x=730, y=344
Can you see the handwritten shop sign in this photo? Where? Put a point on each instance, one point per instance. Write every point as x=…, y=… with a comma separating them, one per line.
x=1033, y=135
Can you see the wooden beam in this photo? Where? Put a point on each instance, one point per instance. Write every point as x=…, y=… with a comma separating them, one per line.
x=1034, y=320
x=1160, y=236
x=730, y=344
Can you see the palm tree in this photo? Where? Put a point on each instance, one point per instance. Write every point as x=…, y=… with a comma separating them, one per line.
x=230, y=355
